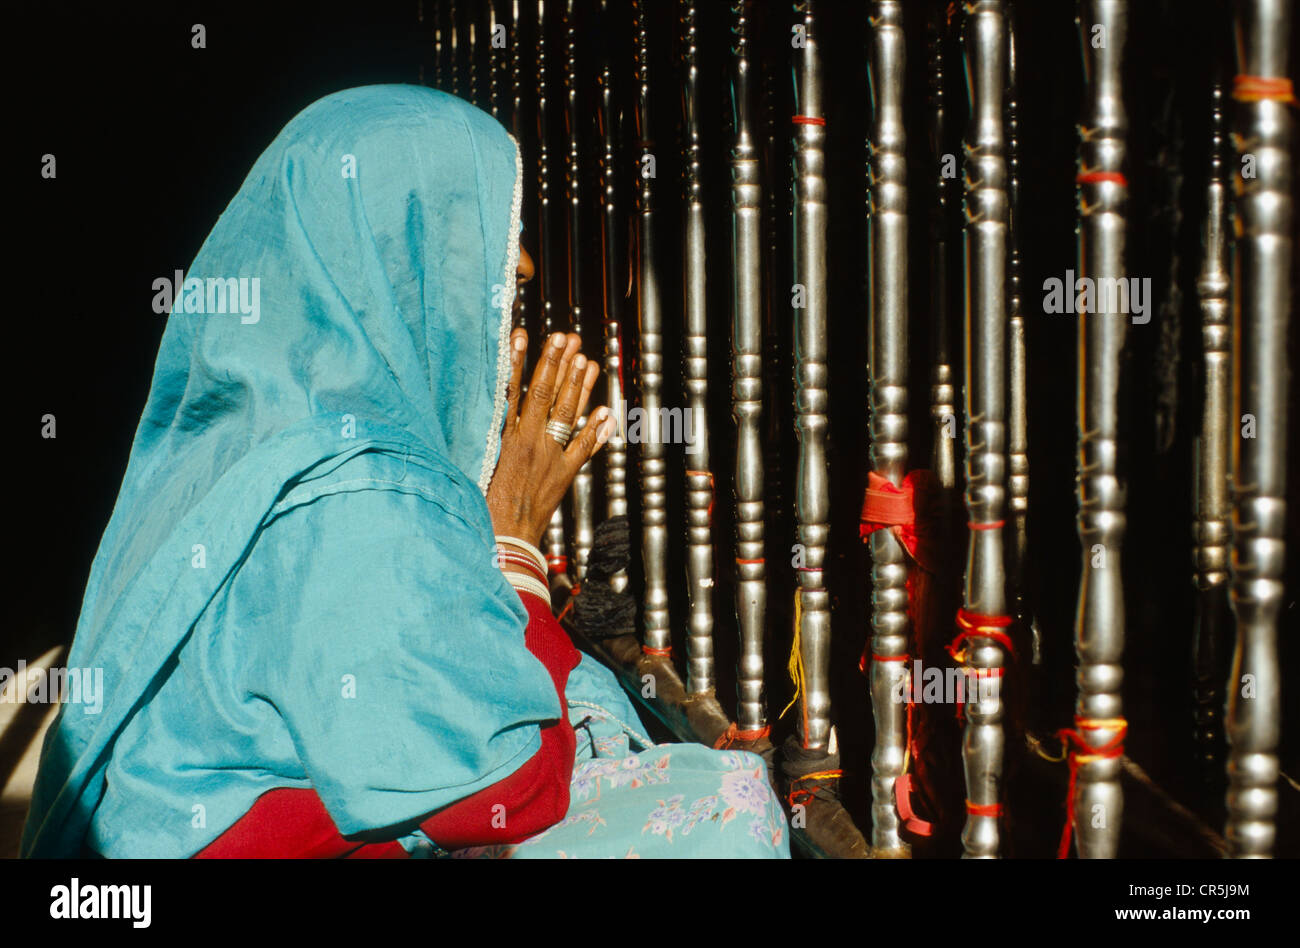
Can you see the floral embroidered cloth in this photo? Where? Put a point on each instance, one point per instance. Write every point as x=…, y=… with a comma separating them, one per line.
x=631, y=798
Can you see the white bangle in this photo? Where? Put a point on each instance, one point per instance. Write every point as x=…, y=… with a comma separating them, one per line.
x=528, y=548
x=523, y=582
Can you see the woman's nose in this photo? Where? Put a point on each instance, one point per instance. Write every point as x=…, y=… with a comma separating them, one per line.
x=525, y=269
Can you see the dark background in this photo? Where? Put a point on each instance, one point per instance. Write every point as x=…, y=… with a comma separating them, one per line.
x=153, y=138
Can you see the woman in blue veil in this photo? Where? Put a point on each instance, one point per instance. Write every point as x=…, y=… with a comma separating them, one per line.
x=319, y=573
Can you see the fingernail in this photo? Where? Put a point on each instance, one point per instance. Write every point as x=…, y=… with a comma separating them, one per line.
x=600, y=414
x=606, y=430
x=519, y=342
x=580, y=363
x=558, y=340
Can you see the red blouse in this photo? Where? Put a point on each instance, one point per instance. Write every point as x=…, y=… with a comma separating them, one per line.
x=289, y=823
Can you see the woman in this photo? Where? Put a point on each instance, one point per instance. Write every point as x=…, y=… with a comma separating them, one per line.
x=317, y=603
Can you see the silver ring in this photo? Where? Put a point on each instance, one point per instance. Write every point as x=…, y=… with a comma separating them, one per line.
x=559, y=431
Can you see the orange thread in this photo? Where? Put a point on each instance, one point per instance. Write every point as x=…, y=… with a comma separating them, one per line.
x=808, y=120
x=975, y=625
x=803, y=794
x=995, y=525
x=709, y=475
x=1102, y=177
x=984, y=809
x=1263, y=89
x=573, y=594
x=733, y=733
x=655, y=650
x=1073, y=738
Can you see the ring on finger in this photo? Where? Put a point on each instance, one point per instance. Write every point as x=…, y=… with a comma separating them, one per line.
x=559, y=431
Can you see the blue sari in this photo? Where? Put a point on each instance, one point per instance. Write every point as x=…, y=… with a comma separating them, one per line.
x=296, y=587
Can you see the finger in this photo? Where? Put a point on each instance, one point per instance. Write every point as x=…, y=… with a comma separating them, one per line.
x=518, y=346
x=566, y=403
x=594, y=434
x=572, y=346
x=541, y=390
x=588, y=383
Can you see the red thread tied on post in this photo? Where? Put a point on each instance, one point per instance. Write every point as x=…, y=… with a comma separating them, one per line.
x=1081, y=752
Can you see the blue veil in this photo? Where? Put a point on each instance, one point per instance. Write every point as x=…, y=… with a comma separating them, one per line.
x=382, y=230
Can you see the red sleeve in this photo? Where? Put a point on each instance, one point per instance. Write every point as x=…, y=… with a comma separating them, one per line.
x=536, y=796
x=293, y=823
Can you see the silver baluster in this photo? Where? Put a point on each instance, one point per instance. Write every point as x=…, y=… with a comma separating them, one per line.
x=887, y=332
x=1018, y=429
x=583, y=484
x=1262, y=296
x=439, y=62
x=516, y=69
x=699, y=473
x=473, y=56
x=654, y=516
x=1098, y=801
x=611, y=297
x=556, y=557
x=810, y=347
x=984, y=595
x=1211, y=531
x=493, y=67
x=943, y=397
x=453, y=27
x=747, y=378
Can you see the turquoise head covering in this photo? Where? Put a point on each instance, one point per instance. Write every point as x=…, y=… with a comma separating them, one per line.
x=350, y=405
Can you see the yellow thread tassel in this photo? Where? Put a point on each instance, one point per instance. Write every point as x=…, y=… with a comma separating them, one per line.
x=795, y=666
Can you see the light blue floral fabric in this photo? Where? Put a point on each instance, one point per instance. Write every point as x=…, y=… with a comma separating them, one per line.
x=630, y=798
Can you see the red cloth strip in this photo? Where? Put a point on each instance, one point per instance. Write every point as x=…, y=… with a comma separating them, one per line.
x=910, y=511
x=557, y=563
x=1102, y=177
x=903, y=801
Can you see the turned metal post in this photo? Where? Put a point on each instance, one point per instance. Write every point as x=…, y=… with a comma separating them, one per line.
x=654, y=513
x=1098, y=801
x=1211, y=530
x=812, y=504
x=943, y=397
x=699, y=473
x=583, y=483
x=1262, y=311
x=747, y=376
x=453, y=28
x=612, y=285
x=556, y=555
x=1018, y=406
x=984, y=594
x=887, y=332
